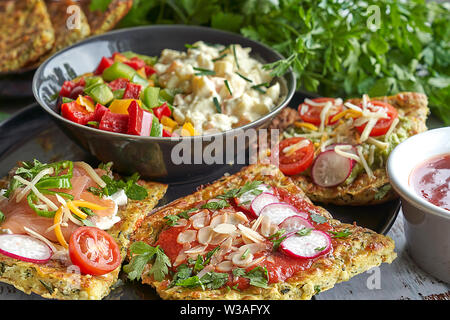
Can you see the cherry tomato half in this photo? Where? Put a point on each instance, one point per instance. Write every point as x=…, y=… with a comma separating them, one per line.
x=382, y=126
x=296, y=162
x=311, y=114
x=94, y=251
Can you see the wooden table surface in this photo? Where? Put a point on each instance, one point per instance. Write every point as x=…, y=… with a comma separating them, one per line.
x=401, y=280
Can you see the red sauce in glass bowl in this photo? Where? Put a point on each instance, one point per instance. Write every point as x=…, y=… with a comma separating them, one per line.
x=431, y=180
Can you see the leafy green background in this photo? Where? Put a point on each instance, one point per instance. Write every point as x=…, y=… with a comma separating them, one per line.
x=329, y=43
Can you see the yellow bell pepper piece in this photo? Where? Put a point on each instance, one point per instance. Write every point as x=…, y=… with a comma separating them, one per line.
x=306, y=125
x=168, y=129
x=187, y=130
x=87, y=204
x=121, y=105
x=86, y=102
x=75, y=210
x=142, y=73
x=57, y=222
x=349, y=113
x=168, y=122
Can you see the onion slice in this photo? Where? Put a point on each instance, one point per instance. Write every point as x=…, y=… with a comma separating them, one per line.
x=25, y=248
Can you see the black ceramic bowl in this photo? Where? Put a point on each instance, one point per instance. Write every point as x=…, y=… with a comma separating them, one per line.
x=151, y=157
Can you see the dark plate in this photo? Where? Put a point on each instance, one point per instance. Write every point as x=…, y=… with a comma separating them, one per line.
x=31, y=133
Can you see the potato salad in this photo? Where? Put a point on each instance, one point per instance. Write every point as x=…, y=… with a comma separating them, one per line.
x=219, y=87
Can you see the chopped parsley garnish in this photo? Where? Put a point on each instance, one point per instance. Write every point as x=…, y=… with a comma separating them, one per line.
x=277, y=238
x=94, y=124
x=133, y=190
x=259, y=276
x=2, y=217
x=320, y=248
x=190, y=46
x=304, y=232
x=204, y=72
x=217, y=105
x=340, y=234
x=234, y=193
x=216, y=205
x=142, y=254
x=317, y=218
x=245, y=254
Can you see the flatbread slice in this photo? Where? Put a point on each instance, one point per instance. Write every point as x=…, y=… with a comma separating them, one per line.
x=57, y=279
x=26, y=33
x=412, y=107
x=357, y=251
x=102, y=22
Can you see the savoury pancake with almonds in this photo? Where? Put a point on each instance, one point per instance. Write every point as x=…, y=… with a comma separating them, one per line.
x=356, y=252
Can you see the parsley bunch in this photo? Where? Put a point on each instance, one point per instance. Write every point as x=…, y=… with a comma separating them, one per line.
x=336, y=48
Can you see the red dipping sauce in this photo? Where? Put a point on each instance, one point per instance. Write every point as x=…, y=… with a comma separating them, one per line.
x=431, y=180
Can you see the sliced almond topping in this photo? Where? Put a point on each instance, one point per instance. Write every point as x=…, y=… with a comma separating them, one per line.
x=225, y=228
x=186, y=236
x=253, y=247
x=225, y=247
x=250, y=234
x=218, y=220
x=181, y=223
x=257, y=222
x=265, y=226
x=199, y=223
x=238, y=261
x=224, y=266
x=204, y=235
x=256, y=261
x=236, y=218
x=179, y=259
x=218, y=238
x=197, y=249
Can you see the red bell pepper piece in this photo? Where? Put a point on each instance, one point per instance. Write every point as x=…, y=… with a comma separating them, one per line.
x=76, y=113
x=166, y=133
x=132, y=91
x=149, y=70
x=71, y=89
x=162, y=110
x=104, y=63
x=114, y=122
x=135, y=63
x=140, y=123
x=120, y=83
x=99, y=112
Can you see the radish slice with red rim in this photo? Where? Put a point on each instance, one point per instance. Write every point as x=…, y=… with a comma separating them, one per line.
x=245, y=200
x=25, y=248
x=294, y=224
x=330, y=169
x=307, y=246
x=261, y=201
x=278, y=212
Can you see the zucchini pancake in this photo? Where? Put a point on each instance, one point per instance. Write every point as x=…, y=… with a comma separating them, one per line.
x=251, y=235
x=65, y=227
x=336, y=151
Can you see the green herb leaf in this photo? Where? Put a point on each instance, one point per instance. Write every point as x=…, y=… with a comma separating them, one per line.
x=204, y=72
x=216, y=205
x=317, y=218
x=304, y=232
x=217, y=105
x=341, y=234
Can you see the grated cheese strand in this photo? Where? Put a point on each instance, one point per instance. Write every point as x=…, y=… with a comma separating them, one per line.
x=33, y=182
x=378, y=143
x=40, y=237
x=324, y=115
x=364, y=162
x=37, y=193
x=340, y=150
x=91, y=172
x=391, y=129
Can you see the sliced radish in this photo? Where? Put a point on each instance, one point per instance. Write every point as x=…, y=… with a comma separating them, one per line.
x=261, y=201
x=314, y=244
x=294, y=224
x=245, y=200
x=330, y=169
x=278, y=212
x=25, y=248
